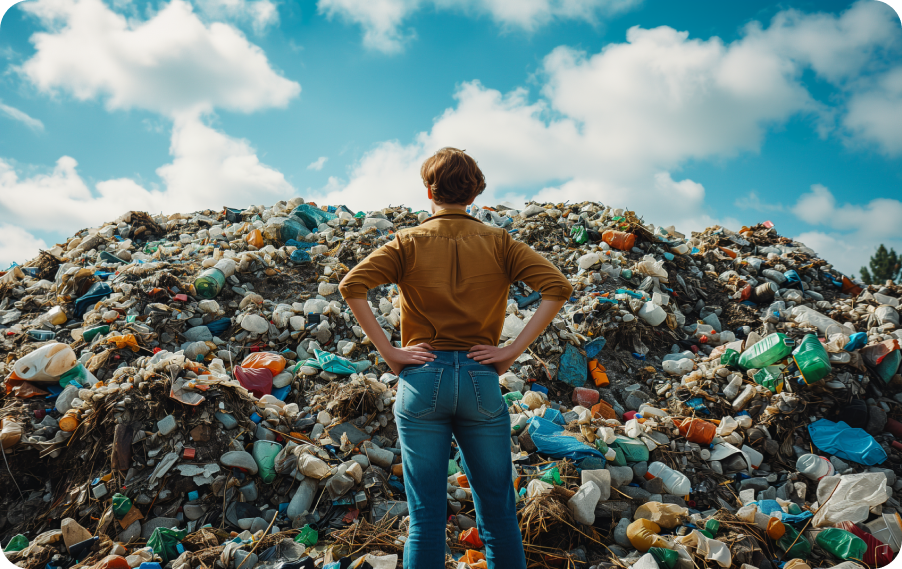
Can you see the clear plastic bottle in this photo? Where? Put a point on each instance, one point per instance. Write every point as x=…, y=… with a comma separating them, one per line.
x=674, y=482
x=814, y=467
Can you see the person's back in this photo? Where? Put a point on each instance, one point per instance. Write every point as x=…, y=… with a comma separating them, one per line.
x=454, y=273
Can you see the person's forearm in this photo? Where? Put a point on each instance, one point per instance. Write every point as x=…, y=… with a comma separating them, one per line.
x=364, y=314
x=543, y=316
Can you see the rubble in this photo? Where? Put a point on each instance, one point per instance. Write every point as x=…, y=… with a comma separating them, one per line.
x=191, y=390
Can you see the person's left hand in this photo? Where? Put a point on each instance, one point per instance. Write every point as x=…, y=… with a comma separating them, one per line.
x=500, y=358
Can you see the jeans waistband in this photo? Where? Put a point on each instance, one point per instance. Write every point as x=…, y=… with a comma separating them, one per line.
x=453, y=357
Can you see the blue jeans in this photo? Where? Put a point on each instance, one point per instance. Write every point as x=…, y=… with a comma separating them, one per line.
x=456, y=395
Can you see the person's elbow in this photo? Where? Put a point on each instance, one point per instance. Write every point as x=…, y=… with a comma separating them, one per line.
x=349, y=288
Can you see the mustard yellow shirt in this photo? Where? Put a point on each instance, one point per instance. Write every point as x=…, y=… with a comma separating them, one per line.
x=454, y=273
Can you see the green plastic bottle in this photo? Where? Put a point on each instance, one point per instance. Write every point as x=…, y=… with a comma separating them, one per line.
x=264, y=453
x=802, y=547
x=770, y=377
x=209, y=283
x=91, y=333
x=812, y=359
x=841, y=543
x=730, y=358
x=666, y=558
x=768, y=351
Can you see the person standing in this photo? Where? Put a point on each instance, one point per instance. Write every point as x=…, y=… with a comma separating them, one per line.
x=454, y=274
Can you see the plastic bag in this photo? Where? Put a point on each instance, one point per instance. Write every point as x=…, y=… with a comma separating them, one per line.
x=164, y=542
x=275, y=363
x=335, y=364
x=550, y=440
x=256, y=380
x=574, y=368
x=651, y=267
x=665, y=515
x=852, y=499
x=845, y=442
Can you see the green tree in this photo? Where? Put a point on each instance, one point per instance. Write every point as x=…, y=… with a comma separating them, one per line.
x=885, y=265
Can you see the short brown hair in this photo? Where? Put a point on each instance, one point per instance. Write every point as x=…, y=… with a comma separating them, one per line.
x=453, y=176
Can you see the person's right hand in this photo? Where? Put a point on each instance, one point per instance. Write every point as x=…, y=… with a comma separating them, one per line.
x=398, y=358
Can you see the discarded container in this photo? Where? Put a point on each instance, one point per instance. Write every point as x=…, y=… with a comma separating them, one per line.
x=46, y=364
x=674, y=482
x=812, y=359
x=814, y=467
x=841, y=543
x=619, y=239
x=768, y=351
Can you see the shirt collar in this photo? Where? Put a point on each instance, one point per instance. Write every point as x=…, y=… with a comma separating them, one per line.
x=451, y=212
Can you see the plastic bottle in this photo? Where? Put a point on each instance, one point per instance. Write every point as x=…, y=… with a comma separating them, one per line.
x=770, y=350
x=697, y=430
x=210, y=282
x=812, y=359
x=46, y=364
x=814, y=467
x=841, y=543
x=740, y=402
x=619, y=239
x=674, y=482
x=652, y=313
x=732, y=389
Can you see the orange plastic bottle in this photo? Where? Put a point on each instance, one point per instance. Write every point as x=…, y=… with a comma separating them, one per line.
x=697, y=431
x=619, y=239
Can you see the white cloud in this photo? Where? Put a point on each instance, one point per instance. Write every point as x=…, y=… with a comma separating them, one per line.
x=17, y=245
x=853, y=231
x=171, y=64
x=17, y=115
x=382, y=20
x=611, y=126
x=875, y=115
x=616, y=126
x=260, y=14
x=318, y=163
x=209, y=169
x=878, y=219
x=848, y=252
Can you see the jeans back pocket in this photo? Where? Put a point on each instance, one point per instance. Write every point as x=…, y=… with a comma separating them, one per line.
x=418, y=393
x=489, y=401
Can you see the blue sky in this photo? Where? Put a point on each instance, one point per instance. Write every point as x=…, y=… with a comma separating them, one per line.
x=720, y=114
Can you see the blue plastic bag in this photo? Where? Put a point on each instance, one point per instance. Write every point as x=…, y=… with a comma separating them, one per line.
x=839, y=439
x=594, y=347
x=574, y=367
x=857, y=341
x=550, y=441
x=95, y=294
x=334, y=363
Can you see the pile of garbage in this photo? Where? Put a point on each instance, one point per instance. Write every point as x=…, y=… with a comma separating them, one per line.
x=190, y=391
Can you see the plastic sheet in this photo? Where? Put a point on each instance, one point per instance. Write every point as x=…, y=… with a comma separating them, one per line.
x=845, y=442
x=550, y=440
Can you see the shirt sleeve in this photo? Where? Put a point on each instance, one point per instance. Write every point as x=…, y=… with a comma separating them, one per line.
x=382, y=266
x=523, y=263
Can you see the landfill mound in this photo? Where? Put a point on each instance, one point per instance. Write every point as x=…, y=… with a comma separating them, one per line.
x=190, y=391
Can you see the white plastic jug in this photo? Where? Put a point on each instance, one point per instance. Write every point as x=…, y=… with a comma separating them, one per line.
x=46, y=364
x=652, y=313
x=674, y=482
x=814, y=467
